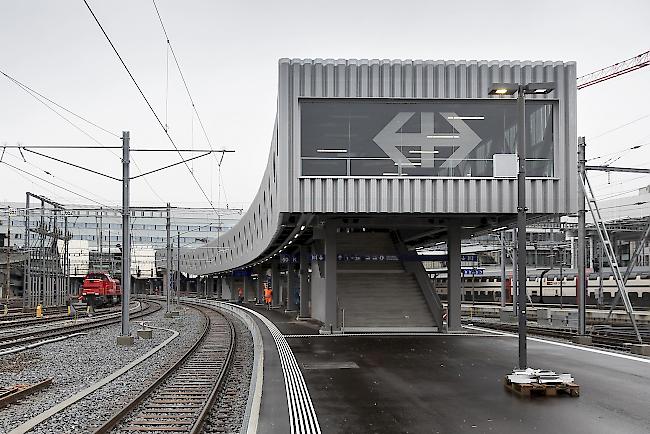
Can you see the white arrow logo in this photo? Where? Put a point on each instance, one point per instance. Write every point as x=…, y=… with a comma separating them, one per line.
x=465, y=139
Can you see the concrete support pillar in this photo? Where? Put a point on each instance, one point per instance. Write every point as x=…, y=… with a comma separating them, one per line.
x=275, y=282
x=331, y=307
x=453, y=277
x=284, y=300
x=219, y=287
x=292, y=288
x=305, y=290
x=232, y=284
x=261, y=278
x=249, y=288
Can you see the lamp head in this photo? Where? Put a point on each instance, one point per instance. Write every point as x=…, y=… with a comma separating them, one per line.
x=503, y=89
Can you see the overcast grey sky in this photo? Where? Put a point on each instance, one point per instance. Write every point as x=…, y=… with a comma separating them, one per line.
x=229, y=53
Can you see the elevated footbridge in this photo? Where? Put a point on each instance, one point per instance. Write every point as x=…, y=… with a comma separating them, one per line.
x=370, y=159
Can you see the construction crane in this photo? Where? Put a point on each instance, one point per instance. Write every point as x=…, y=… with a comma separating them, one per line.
x=615, y=70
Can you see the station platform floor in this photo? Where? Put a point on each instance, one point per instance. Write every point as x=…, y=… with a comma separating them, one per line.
x=453, y=383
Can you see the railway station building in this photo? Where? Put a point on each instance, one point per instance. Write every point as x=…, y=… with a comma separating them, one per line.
x=372, y=159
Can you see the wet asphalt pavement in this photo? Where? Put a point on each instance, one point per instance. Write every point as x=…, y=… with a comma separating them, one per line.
x=453, y=384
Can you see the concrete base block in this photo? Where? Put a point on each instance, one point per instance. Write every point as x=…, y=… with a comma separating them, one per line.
x=582, y=340
x=175, y=313
x=125, y=340
x=145, y=334
x=641, y=349
x=168, y=315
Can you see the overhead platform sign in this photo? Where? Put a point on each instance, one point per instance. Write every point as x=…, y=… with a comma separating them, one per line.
x=372, y=137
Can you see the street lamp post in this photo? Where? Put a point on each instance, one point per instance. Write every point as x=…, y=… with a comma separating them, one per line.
x=521, y=90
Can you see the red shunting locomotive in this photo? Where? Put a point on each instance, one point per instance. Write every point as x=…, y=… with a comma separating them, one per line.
x=99, y=289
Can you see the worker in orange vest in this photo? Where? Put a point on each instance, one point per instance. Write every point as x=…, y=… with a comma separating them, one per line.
x=268, y=297
x=240, y=292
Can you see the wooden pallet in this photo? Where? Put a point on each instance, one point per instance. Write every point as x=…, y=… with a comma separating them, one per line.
x=529, y=390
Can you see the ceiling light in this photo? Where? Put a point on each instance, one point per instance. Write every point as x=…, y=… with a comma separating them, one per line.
x=296, y=236
x=444, y=136
x=390, y=174
x=466, y=117
x=423, y=152
x=501, y=91
x=412, y=164
x=302, y=228
x=331, y=151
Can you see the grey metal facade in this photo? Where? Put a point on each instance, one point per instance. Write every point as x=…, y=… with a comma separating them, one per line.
x=285, y=191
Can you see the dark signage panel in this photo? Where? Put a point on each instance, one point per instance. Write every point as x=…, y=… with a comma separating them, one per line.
x=358, y=137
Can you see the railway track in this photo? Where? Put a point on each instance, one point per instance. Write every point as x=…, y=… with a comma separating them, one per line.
x=30, y=337
x=182, y=397
x=9, y=322
x=608, y=338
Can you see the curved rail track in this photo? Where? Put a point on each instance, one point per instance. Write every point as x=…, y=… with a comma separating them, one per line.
x=29, y=337
x=182, y=397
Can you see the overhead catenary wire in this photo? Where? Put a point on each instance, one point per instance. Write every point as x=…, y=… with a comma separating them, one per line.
x=149, y=104
x=170, y=48
x=47, y=181
x=38, y=96
x=620, y=152
x=180, y=72
x=32, y=91
x=597, y=136
x=56, y=177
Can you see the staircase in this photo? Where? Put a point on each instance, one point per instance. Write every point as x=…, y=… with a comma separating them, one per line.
x=378, y=295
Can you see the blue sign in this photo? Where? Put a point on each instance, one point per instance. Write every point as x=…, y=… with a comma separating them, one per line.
x=473, y=271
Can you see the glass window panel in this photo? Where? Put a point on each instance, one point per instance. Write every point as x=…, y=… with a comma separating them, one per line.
x=421, y=138
x=361, y=167
x=323, y=167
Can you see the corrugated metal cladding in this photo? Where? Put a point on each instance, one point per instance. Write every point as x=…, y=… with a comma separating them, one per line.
x=424, y=79
x=284, y=190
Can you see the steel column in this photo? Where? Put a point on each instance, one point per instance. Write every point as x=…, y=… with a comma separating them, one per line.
x=331, y=297
x=168, y=259
x=275, y=282
x=305, y=290
x=504, y=296
x=521, y=225
x=126, y=235
x=178, y=267
x=292, y=285
x=582, y=238
x=453, y=276
x=261, y=277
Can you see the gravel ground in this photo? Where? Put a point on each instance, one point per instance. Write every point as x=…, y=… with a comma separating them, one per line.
x=78, y=362
x=229, y=408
